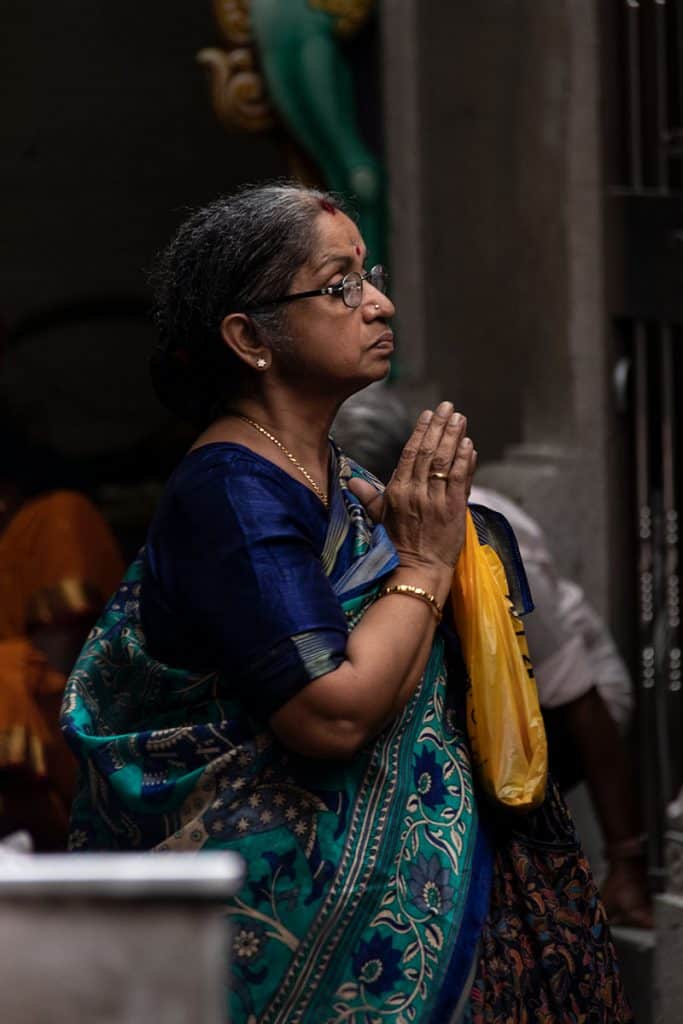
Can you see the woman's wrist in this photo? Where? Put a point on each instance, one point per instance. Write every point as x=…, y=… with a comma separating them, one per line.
x=409, y=590
x=435, y=578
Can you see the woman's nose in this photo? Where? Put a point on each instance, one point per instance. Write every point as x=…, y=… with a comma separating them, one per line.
x=377, y=304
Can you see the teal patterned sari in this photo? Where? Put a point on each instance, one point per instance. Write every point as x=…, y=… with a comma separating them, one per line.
x=367, y=881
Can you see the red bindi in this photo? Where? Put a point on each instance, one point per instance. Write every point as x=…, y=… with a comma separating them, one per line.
x=357, y=250
x=328, y=207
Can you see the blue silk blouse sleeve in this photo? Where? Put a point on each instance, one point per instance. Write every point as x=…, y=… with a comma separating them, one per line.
x=233, y=571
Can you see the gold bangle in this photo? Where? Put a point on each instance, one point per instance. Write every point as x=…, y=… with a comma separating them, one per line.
x=418, y=592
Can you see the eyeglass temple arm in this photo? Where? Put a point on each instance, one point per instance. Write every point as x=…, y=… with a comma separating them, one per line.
x=329, y=290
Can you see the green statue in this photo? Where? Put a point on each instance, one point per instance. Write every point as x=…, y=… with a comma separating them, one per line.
x=309, y=82
x=285, y=56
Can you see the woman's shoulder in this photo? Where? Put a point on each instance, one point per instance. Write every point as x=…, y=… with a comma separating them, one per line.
x=234, y=466
x=221, y=459
x=225, y=480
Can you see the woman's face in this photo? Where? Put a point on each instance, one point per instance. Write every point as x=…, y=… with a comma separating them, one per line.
x=337, y=348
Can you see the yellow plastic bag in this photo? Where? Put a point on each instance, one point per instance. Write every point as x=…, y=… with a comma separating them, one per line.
x=504, y=721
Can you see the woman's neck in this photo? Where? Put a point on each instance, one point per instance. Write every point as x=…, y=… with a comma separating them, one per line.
x=301, y=426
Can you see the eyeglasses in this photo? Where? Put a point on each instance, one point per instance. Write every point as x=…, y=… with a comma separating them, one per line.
x=349, y=289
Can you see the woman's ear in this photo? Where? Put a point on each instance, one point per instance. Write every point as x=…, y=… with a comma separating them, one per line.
x=240, y=335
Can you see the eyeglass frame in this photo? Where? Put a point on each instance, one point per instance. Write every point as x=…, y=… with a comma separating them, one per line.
x=336, y=290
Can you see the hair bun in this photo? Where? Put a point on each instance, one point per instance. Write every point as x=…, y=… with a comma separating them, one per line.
x=181, y=386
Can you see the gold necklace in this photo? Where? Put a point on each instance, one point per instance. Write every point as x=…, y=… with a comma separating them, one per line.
x=285, y=451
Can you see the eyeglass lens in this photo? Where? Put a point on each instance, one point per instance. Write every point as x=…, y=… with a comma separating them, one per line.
x=353, y=285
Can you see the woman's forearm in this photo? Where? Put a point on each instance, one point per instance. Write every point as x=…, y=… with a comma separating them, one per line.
x=423, y=509
x=386, y=655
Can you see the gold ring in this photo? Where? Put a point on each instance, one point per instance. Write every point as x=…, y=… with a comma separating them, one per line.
x=438, y=476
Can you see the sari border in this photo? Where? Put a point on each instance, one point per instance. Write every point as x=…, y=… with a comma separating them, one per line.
x=459, y=978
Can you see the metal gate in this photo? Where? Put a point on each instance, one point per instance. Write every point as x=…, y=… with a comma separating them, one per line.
x=643, y=121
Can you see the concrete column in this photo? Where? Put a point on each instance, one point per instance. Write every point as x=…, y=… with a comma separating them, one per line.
x=401, y=86
x=493, y=150
x=560, y=470
x=668, y=979
x=115, y=939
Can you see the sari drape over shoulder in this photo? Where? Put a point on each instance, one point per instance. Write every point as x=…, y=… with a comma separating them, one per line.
x=367, y=881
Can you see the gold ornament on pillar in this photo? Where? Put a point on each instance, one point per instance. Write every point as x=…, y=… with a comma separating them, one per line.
x=233, y=20
x=238, y=89
x=350, y=15
x=238, y=92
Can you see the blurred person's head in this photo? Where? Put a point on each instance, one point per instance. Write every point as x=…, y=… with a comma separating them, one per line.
x=372, y=427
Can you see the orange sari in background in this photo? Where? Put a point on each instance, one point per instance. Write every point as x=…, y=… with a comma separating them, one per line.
x=59, y=562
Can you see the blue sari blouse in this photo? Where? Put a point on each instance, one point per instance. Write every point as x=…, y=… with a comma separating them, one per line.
x=233, y=578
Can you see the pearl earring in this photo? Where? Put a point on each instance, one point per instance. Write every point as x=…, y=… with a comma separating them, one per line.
x=261, y=363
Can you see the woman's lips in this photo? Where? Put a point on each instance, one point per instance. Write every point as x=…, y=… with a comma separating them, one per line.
x=385, y=342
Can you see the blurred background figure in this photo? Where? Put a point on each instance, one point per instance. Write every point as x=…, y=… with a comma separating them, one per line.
x=584, y=686
x=59, y=562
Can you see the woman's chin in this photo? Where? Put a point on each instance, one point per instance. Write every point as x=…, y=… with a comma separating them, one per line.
x=380, y=371
x=383, y=368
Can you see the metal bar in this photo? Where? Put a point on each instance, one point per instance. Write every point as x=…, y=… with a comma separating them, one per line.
x=662, y=74
x=676, y=28
x=669, y=431
x=403, y=73
x=649, y=720
x=634, y=93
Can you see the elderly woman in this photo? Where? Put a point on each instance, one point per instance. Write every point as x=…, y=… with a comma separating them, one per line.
x=272, y=676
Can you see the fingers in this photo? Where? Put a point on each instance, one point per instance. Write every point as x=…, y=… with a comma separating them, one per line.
x=434, y=446
x=404, y=470
x=369, y=496
x=445, y=453
x=462, y=469
x=431, y=443
x=426, y=498
x=473, y=468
